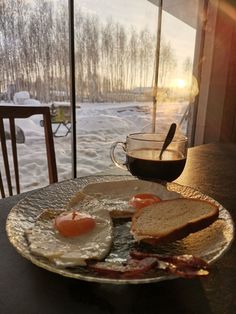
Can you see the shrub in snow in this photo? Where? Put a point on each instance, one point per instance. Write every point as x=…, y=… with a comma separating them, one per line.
x=21, y=97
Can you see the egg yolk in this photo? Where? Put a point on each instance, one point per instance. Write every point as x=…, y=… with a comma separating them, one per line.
x=139, y=201
x=74, y=224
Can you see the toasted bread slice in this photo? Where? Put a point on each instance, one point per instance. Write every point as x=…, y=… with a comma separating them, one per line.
x=172, y=219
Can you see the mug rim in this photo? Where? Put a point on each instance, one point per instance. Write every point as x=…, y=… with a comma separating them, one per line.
x=178, y=138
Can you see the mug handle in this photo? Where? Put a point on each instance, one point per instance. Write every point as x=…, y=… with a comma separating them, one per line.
x=112, y=155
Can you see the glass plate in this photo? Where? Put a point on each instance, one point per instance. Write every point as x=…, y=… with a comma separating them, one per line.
x=209, y=243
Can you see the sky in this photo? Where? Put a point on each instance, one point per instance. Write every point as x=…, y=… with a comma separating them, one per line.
x=141, y=14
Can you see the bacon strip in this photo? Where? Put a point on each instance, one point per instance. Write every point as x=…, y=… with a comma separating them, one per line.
x=132, y=268
x=187, y=266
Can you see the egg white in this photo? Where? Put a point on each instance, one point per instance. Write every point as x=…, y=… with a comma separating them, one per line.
x=126, y=189
x=45, y=241
x=114, y=196
x=117, y=207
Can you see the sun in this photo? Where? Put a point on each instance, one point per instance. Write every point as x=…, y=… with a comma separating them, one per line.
x=181, y=83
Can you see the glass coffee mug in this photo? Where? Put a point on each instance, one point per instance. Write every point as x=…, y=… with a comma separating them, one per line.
x=143, y=160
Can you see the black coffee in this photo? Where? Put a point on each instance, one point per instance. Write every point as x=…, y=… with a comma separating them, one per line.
x=145, y=164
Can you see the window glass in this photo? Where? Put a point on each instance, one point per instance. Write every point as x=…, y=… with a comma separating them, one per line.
x=116, y=44
x=34, y=63
x=115, y=62
x=115, y=57
x=178, y=86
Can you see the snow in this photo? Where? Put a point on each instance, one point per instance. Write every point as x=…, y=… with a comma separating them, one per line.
x=31, y=102
x=98, y=126
x=21, y=97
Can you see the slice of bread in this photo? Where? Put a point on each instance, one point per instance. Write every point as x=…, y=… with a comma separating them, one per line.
x=172, y=219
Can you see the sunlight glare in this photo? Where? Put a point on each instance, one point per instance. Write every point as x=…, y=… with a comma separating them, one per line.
x=181, y=83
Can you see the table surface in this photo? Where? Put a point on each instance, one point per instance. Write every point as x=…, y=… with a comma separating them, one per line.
x=26, y=288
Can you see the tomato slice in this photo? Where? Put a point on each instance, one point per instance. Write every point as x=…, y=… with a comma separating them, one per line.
x=142, y=200
x=74, y=224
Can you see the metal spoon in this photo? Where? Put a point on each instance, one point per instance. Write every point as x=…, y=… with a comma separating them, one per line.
x=168, y=139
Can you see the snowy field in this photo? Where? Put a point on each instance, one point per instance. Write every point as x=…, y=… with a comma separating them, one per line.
x=98, y=126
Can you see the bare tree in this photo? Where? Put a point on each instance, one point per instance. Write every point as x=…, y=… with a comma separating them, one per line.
x=111, y=61
x=188, y=68
x=167, y=61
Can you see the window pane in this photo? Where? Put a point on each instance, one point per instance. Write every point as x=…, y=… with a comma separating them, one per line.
x=115, y=62
x=116, y=45
x=34, y=54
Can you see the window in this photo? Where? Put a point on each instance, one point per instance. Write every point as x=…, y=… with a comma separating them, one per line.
x=116, y=72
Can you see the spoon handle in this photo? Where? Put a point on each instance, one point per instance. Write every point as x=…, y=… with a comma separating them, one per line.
x=168, y=139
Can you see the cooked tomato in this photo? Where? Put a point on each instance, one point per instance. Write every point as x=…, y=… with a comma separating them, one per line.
x=141, y=200
x=73, y=224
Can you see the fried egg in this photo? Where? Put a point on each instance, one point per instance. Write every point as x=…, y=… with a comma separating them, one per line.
x=45, y=240
x=116, y=196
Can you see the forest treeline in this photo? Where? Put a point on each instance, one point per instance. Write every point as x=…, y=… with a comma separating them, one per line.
x=112, y=62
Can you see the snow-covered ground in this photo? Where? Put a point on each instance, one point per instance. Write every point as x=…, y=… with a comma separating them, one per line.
x=98, y=126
